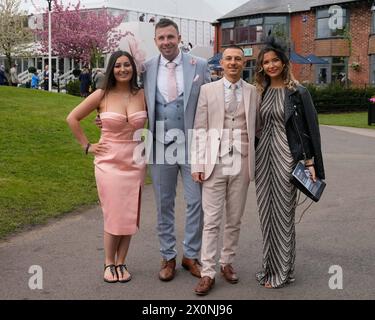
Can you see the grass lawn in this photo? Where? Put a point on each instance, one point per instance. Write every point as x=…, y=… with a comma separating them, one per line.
x=43, y=172
x=355, y=119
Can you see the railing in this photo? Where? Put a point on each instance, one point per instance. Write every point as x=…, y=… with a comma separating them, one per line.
x=23, y=77
x=63, y=79
x=58, y=81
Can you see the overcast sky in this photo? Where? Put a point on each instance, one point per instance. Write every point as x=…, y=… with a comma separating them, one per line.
x=223, y=6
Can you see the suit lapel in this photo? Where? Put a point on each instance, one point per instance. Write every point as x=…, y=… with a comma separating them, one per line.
x=220, y=98
x=189, y=72
x=152, y=75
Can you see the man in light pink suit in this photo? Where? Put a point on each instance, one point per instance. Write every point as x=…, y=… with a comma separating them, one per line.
x=223, y=160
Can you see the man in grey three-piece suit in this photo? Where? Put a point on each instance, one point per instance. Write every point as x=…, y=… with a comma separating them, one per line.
x=172, y=82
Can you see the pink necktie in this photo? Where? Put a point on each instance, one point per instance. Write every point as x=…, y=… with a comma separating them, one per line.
x=172, y=81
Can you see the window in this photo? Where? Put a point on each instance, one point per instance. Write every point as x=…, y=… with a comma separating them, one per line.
x=249, y=71
x=326, y=21
x=333, y=72
x=278, y=26
x=338, y=70
x=227, y=25
x=373, y=22
x=227, y=32
x=242, y=31
x=253, y=30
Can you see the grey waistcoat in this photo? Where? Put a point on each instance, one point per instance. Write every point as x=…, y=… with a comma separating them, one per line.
x=172, y=114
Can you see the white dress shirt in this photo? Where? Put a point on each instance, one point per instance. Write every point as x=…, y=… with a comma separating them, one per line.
x=162, y=80
x=228, y=92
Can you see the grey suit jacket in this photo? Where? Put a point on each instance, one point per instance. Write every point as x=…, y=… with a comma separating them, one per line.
x=210, y=119
x=196, y=73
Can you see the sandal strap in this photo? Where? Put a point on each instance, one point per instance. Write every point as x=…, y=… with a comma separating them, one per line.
x=122, y=266
x=112, y=268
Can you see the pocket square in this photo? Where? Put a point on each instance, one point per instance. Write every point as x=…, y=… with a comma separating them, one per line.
x=196, y=78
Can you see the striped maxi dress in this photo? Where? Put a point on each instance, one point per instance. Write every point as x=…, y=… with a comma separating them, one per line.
x=276, y=196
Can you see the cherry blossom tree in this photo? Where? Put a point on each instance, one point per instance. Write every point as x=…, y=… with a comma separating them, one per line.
x=79, y=33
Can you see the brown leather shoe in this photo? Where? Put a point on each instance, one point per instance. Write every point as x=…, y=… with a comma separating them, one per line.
x=193, y=265
x=204, y=286
x=168, y=270
x=229, y=274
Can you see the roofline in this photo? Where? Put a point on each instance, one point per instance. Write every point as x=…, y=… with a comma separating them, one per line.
x=258, y=14
x=225, y=17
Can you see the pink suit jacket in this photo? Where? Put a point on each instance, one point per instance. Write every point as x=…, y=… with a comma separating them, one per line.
x=209, y=124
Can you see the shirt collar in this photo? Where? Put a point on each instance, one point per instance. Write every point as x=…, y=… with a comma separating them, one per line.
x=176, y=60
x=227, y=83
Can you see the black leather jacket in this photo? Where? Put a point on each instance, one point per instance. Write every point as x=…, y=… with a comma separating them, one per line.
x=302, y=127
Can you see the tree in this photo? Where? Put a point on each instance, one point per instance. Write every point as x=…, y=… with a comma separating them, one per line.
x=14, y=33
x=80, y=34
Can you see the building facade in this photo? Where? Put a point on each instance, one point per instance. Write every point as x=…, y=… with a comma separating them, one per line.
x=340, y=32
x=194, y=29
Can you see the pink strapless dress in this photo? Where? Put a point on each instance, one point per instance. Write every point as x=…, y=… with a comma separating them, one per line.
x=119, y=178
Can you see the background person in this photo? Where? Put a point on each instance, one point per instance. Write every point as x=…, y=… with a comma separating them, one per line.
x=46, y=75
x=35, y=80
x=85, y=82
x=13, y=76
x=3, y=77
x=98, y=79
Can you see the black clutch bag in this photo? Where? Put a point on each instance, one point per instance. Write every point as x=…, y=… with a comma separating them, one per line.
x=302, y=181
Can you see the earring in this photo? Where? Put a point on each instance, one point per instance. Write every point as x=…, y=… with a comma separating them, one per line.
x=261, y=70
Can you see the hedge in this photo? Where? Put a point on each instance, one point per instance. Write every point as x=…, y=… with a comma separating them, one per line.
x=72, y=87
x=336, y=98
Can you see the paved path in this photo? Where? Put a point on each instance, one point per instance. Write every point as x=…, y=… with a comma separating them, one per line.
x=339, y=230
x=360, y=131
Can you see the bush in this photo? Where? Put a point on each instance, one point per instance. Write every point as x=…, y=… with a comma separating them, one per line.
x=31, y=69
x=72, y=87
x=336, y=98
x=27, y=84
x=76, y=72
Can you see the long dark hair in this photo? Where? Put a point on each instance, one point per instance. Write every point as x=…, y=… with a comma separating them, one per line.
x=110, y=80
x=262, y=80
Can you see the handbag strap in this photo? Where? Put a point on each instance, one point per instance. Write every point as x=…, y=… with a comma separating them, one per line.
x=298, y=204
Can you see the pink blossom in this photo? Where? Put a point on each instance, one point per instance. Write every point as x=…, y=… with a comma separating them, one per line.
x=79, y=33
x=193, y=61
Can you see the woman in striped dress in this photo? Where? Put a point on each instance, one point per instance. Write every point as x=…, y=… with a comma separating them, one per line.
x=277, y=153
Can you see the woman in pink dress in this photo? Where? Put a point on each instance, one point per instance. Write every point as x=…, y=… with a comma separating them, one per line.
x=119, y=168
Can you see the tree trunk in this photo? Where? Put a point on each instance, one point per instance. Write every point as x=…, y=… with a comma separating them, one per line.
x=8, y=63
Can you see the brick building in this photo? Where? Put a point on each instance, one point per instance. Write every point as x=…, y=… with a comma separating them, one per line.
x=340, y=32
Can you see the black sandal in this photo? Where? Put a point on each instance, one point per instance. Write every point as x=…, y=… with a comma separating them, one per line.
x=112, y=268
x=122, y=267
